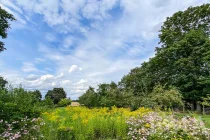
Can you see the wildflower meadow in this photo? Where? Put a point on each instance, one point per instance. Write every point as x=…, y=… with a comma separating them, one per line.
x=81, y=123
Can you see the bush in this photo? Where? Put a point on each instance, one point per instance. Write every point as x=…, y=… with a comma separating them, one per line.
x=16, y=104
x=64, y=102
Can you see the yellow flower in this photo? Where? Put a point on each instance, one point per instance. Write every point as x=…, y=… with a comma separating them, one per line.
x=147, y=125
x=85, y=121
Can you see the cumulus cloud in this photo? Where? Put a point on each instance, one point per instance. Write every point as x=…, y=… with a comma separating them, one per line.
x=82, y=81
x=74, y=68
x=47, y=77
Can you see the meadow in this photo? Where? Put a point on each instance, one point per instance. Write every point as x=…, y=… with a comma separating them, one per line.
x=81, y=123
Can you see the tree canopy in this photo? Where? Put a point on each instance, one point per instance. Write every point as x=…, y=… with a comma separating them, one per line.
x=5, y=17
x=56, y=94
x=3, y=82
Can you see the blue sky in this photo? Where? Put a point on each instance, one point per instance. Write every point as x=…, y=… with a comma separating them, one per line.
x=75, y=44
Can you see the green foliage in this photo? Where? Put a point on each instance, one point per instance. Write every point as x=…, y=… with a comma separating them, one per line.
x=205, y=102
x=64, y=102
x=166, y=98
x=182, y=22
x=47, y=102
x=17, y=103
x=106, y=95
x=37, y=94
x=56, y=94
x=3, y=82
x=5, y=17
x=90, y=98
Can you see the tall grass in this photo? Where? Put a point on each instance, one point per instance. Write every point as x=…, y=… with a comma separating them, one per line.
x=81, y=123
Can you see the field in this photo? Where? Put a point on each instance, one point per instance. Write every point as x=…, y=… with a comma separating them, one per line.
x=81, y=123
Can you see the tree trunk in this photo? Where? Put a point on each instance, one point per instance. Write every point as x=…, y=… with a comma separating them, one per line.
x=198, y=107
x=203, y=109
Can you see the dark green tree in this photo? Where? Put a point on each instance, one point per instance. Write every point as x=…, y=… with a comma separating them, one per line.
x=3, y=83
x=37, y=95
x=5, y=17
x=182, y=22
x=56, y=94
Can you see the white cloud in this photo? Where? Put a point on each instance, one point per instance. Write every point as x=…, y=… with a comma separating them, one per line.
x=11, y=5
x=29, y=67
x=47, y=77
x=82, y=81
x=31, y=77
x=74, y=68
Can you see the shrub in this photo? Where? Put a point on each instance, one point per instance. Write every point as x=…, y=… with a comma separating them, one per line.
x=64, y=102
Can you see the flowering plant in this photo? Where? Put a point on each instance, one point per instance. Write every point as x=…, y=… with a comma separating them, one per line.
x=155, y=126
x=24, y=128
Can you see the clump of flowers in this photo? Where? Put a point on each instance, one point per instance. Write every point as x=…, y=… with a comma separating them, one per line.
x=25, y=128
x=155, y=126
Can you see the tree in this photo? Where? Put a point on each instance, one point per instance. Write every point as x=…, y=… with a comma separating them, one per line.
x=166, y=98
x=56, y=94
x=182, y=22
x=205, y=102
x=37, y=94
x=5, y=17
x=90, y=98
x=3, y=83
x=182, y=60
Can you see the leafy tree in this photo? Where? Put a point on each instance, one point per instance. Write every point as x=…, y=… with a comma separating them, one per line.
x=5, y=17
x=90, y=98
x=37, y=95
x=182, y=60
x=182, y=22
x=3, y=83
x=205, y=102
x=137, y=80
x=56, y=94
x=166, y=98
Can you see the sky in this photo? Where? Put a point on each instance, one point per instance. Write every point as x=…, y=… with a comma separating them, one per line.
x=75, y=44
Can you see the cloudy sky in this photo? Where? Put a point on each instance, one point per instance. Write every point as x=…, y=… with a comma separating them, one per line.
x=77, y=43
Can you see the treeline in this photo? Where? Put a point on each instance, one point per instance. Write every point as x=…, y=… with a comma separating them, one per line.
x=182, y=62
x=16, y=103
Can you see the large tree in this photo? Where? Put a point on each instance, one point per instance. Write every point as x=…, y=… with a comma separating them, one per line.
x=178, y=25
x=182, y=60
x=5, y=17
x=56, y=94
